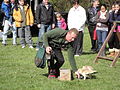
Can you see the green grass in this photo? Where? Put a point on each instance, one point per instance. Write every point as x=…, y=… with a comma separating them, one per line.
x=18, y=72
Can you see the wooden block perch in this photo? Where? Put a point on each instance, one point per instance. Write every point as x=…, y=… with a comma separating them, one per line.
x=65, y=74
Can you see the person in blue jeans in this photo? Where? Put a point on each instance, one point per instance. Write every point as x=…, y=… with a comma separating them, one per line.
x=45, y=19
x=9, y=25
x=43, y=28
x=102, y=26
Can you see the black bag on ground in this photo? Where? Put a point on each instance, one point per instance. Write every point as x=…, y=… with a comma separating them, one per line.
x=40, y=59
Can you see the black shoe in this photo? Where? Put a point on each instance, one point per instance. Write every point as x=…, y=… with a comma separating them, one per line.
x=94, y=50
x=57, y=72
x=52, y=74
x=4, y=44
x=97, y=51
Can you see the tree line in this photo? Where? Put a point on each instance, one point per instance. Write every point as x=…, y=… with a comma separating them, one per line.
x=65, y=5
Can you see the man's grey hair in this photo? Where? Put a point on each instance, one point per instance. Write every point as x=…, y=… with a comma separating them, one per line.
x=74, y=30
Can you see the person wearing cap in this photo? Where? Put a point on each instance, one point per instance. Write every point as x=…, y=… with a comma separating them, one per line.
x=91, y=14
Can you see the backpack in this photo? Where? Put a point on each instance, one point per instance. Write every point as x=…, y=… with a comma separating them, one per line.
x=40, y=58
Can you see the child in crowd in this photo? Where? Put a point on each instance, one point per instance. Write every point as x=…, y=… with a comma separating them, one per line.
x=24, y=19
x=112, y=8
x=110, y=16
x=114, y=43
x=60, y=21
x=8, y=23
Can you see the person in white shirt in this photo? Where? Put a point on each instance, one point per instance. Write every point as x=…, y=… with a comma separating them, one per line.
x=77, y=19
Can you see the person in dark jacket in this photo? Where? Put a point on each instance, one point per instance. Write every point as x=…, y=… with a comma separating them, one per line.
x=53, y=41
x=114, y=43
x=110, y=17
x=91, y=14
x=45, y=18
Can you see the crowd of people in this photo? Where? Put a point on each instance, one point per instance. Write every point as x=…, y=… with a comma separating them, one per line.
x=100, y=19
x=18, y=17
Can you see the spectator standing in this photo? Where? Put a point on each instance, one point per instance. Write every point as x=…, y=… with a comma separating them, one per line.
x=45, y=18
x=91, y=14
x=77, y=19
x=60, y=22
x=112, y=8
x=110, y=24
x=1, y=18
x=110, y=16
x=102, y=26
x=114, y=43
x=8, y=22
x=24, y=19
x=13, y=27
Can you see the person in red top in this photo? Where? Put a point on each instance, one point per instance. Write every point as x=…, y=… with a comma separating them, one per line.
x=60, y=21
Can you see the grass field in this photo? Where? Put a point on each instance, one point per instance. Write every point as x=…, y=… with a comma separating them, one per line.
x=18, y=72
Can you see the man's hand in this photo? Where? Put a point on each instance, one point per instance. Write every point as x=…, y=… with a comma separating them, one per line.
x=53, y=26
x=48, y=49
x=31, y=25
x=38, y=25
x=77, y=74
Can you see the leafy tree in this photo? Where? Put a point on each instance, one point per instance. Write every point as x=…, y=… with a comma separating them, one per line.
x=61, y=5
x=65, y=5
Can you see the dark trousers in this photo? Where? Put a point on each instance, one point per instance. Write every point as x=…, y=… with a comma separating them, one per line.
x=114, y=41
x=78, y=44
x=93, y=42
x=56, y=60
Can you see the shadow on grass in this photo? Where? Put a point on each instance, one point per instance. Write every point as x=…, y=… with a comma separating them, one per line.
x=92, y=77
x=88, y=52
x=46, y=74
